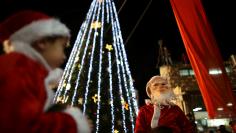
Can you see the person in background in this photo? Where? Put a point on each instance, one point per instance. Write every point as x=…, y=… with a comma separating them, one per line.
x=160, y=111
x=191, y=118
x=27, y=72
x=222, y=129
x=232, y=124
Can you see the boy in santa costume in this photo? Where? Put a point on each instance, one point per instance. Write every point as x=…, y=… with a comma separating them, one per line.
x=160, y=111
x=26, y=73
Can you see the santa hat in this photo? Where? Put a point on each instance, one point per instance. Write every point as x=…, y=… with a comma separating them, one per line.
x=155, y=79
x=29, y=26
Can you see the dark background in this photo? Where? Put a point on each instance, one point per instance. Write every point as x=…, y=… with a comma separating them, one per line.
x=157, y=22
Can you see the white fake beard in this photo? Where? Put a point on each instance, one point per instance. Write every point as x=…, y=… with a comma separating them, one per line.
x=164, y=98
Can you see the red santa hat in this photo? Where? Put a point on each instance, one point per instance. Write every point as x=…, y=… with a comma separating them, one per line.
x=155, y=79
x=29, y=26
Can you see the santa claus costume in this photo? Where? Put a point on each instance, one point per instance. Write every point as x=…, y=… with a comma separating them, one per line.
x=160, y=112
x=25, y=75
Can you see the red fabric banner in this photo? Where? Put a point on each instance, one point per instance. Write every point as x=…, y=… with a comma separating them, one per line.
x=205, y=58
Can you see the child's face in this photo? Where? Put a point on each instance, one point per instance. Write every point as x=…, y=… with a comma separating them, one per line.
x=53, y=52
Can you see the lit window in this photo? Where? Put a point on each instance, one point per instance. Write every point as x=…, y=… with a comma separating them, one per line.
x=227, y=69
x=215, y=71
x=184, y=72
x=191, y=72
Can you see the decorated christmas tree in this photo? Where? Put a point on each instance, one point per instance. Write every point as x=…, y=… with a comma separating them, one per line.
x=97, y=77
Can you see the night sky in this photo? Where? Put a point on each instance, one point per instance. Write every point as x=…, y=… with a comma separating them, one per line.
x=158, y=22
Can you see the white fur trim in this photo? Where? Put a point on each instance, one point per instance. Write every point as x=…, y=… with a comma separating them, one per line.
x=39, y=29
x=156, y=116
x=50, y=95
x=148, y=101
x=26, y=49
x=53, y=76
x=80, y=119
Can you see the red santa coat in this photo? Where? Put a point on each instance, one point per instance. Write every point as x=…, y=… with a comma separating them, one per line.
x=171, y=116
x=23, y=97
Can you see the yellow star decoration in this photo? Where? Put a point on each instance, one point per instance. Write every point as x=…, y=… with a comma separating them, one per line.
x=76, y=58
x=68, y=86
x=100, y=1
x=126, y=105
x=79, y=66
x=62, y=99
x=80, y=101
x=109, y=47
x=59, y=99
x=96, y=25
x=64, y=85
x=122, y=101
x=116, y=131
x=96, y=98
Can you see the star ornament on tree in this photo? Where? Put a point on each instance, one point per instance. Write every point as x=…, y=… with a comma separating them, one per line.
x=96, y=25
x=60, y=99
x=96, y=98
x=109, y=47
x=116, y=131
x=64, y=85
x=122, y=101
x=100, y=1
x=79, y=66
x=68, y=86
x=80, y=101
x=76, y=59
x=126, y=105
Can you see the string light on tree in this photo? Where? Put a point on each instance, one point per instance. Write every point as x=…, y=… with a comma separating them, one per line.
x=97, y=77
